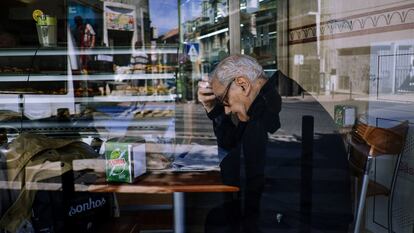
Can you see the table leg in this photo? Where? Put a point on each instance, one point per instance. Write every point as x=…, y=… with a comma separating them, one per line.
x=179, y=212
x=363, y=195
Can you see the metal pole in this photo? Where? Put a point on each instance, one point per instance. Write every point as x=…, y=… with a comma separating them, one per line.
x=179, y=213
x=362, y=196
x=306, y=173
x=68, y=189
x=193, y=79
x=234, y=26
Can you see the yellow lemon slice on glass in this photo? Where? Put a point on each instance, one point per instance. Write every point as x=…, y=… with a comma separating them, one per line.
x=37, y=14
x=123, y=20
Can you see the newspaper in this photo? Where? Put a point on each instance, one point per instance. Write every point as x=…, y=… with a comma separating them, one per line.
x=195, y=157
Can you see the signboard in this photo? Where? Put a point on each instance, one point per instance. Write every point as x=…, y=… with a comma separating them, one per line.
x=192, y=50
x=344, y=115
x=117, y=18
x=298, y=59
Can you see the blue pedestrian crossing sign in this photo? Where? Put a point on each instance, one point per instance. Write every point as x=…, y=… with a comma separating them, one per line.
x=192, y=50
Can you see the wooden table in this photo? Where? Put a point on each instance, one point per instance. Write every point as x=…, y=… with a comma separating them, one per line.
x=160, y=182
x=167, y=182
x=156, y=182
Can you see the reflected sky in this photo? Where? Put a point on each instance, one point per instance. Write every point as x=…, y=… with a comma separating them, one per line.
x=163, y=15
x=190, y=9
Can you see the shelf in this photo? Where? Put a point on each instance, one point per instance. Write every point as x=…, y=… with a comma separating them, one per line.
x=49, y=99
x=90, y=126
x=95, y=77
x=170, y=97
x=63, y=51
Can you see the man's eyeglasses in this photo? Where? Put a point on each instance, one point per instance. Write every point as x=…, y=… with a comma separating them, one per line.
x=222, y=99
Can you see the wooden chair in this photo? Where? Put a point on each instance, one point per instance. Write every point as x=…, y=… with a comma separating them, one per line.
x=366, y=143
x=400, y=207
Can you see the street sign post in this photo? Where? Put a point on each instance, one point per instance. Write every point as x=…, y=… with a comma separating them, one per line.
x=193, y=51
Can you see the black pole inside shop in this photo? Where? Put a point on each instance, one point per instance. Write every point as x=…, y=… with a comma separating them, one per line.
x=306, y=173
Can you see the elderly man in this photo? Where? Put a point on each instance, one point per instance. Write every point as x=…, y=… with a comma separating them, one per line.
x=244, y=106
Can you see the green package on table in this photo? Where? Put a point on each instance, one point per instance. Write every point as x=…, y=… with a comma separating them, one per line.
x=344, y=115
x=339, y=115
x=125, y=159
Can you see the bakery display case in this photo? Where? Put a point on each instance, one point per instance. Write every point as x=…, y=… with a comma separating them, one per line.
x=44, y=90
x=84, y=121
x=29, y=70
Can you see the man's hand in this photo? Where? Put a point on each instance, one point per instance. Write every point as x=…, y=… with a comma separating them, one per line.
x=206, y=95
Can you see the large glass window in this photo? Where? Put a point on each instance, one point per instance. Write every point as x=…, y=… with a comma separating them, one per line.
x=206, y=116
x=355, y=59
x=258, y=22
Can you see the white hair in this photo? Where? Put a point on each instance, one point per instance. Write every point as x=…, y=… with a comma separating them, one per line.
x=238, y=66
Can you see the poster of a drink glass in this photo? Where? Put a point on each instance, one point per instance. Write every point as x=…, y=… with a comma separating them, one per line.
x=120, y=17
